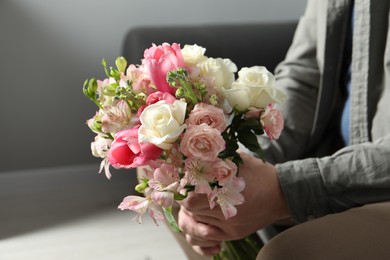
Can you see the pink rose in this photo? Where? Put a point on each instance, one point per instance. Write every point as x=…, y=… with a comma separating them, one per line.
x=207, y=114
x=158, y=60
x=202, y=142
x=224, y=171
x=253, y=112
x=127, y=152
x=272, y=121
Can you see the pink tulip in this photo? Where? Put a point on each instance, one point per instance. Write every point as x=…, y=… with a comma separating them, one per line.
x=127, y=152
x=159, y=60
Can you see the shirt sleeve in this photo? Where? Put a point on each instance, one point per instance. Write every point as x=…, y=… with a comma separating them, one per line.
x=354, y=176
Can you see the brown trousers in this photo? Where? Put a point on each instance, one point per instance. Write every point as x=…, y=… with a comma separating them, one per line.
x=358, y=233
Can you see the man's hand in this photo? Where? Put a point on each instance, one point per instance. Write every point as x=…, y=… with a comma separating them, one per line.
x=264, y=204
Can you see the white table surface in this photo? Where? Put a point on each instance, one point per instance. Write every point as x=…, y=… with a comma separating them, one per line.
x=71, y=213
x=105, y=235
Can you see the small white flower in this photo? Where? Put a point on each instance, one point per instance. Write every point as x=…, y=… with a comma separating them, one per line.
x=100, y=146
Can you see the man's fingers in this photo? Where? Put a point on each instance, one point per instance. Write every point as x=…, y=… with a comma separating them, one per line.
x=199, y=230
x=200, y=242
x=196, y=201
x=207, y=251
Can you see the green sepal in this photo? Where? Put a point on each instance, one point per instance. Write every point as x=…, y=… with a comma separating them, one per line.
x=178, y=196
x=171, y=220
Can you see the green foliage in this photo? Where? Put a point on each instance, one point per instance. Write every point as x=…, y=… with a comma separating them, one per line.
x=90, y=91
x=241, y=130
x=194, y=92
x=171, y=220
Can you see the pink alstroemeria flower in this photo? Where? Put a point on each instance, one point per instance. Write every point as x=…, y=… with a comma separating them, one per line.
x=228, y=196
x=140, y=205
x=118, y=117
x=198, y=173
x=165, y=184
x=140, y=80
x=159, y=60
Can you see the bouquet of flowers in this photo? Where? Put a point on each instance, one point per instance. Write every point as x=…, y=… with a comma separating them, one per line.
x=181, y=116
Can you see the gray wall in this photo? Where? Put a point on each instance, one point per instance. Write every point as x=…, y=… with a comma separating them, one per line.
x=49, y=47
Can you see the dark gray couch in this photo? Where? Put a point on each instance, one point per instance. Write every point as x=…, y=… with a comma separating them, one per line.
x=246, y=45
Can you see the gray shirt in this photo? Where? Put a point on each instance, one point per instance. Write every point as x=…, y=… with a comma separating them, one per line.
x=317, y=175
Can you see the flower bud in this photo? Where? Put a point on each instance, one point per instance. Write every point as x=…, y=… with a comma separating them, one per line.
x=121, y=64
x=95, y=124
x=90, y=87
x=180, y=93
x=141, y=187
x=110, y=90
x=213, y=100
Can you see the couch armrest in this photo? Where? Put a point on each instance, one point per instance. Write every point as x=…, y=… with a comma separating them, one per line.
x=245, y=44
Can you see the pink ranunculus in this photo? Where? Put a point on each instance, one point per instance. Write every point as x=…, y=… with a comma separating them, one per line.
x=272, y=121
x=207, y=114
x=155, y=97
x=127, y=152
x=158, y=60
x=202, y=142
x=159, y=95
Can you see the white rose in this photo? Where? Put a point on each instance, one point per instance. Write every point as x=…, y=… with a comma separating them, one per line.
x=255, y=87
x=162, y=123
x=221, y=70
x=193, y=54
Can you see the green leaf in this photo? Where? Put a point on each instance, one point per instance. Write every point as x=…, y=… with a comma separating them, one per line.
x=250, y=141
x=171, y=220
x=230, y=150
x=252, y=124
x=104, y=63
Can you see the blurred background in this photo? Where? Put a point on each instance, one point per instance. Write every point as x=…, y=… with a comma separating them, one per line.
x=47, y=49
